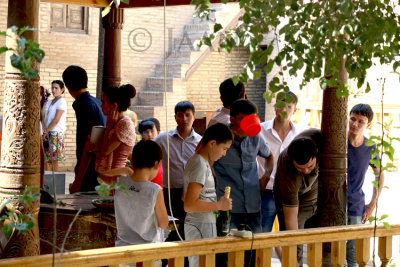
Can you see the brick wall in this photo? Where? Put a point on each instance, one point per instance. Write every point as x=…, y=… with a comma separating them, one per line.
x=203, y=85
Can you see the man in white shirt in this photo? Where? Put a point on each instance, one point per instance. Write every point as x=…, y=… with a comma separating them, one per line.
x=278, y=133
x=182, y=144
x=229, y=93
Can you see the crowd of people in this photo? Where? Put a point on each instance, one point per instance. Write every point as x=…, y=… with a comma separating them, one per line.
x=184, y=175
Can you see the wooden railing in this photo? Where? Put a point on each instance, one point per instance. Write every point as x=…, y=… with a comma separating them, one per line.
x=207, y=248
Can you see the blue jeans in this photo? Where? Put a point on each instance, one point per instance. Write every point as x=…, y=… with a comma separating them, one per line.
x=268, y=211
x=351, y=244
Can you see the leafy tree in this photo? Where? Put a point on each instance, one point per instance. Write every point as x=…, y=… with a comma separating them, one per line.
x=314, y=36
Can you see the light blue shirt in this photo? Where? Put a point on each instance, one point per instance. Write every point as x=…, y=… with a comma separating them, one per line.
x=180, y=150
x=238, y=169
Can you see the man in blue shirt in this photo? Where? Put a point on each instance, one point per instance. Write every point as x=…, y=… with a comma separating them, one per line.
x=238, y=169
x=88, y=114
x=358, y=160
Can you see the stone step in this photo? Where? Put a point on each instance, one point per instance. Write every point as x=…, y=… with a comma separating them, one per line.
x=176, y=57
x=173, y=70
x=172, y=84
x=196, y=27
x=150, y=98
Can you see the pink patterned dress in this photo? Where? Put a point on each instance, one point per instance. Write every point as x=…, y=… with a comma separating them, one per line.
x=124, y=130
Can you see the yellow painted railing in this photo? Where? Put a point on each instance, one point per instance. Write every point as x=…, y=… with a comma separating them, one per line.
x=207, y=248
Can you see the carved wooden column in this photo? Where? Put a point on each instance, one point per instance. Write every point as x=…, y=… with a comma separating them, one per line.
x=113, y=24
x=20, y=160
x=332, y=194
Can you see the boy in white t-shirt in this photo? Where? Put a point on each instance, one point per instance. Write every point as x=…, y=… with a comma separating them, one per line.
x=199, y=188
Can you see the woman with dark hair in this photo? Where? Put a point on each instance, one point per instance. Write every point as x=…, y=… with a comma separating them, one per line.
x=54, y=125
x=119, y=137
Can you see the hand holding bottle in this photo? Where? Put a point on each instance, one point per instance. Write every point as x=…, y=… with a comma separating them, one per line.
x=225, y=203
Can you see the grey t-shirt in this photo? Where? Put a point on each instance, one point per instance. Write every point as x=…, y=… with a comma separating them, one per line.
x=198, y=170
x=135, y=214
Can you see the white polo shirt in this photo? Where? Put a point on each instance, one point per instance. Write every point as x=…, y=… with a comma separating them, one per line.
x=276, y=145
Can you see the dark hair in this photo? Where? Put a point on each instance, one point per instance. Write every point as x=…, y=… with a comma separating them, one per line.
x=302, y=150
x=60, y=83
x=218, y=132
x=292, y=95
x=75, y=78
x=121, y=95
x=230, y=92
x=183, y=106
x=145, y=154
x=244, y=106
x=363, y=110
x=148, y=123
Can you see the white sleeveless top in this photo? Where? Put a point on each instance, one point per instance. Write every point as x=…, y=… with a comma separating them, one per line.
x=135, y=214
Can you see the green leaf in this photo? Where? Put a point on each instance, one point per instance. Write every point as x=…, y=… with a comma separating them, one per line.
x=384, y=216
x=4, y=49
x=371, y=219
x=217, y=27
x=322, y=83
x=235, y=79
x=125, y=1
x=280, y=105
x=369, y=142
x=387, y=225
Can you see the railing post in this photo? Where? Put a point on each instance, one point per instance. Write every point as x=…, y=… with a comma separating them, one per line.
x=176, y=262
x=289, y=256
x=362, y=251
x=207, y=260
x=338, y=253
x=147, y=264
x=236, y=259
x=385, y=249
x=263, y=257
x=314, y=255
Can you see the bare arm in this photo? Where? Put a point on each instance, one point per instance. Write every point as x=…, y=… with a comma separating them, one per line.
x=161, y=211
x=269, y=165
x=192, y=203
x=291, y=220
x=111, y=176
x=369, y=208
x=56, y=120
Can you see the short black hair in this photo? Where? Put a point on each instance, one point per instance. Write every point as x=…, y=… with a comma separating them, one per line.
x=75, y=78
x=292, y=95
x=183, y=106
x=60, y=83
x=148, y=123
x=121, y=95
x=244, y=106
x=145, y=154
x=302, y=150
x=218, y=132
x=363, y=110
x=230, y=92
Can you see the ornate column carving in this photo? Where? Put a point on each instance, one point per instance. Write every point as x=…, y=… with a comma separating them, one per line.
x=112, y=24
x=20, y=160
x=332, y=191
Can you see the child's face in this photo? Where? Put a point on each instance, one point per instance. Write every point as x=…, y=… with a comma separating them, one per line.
x=358, y=123
x=219, y=150
x=184, y=119
x=150, y=134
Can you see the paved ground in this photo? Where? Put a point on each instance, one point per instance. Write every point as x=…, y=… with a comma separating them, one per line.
x=388, y=202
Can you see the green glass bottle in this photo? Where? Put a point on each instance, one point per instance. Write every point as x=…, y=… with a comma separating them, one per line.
x=224, y=217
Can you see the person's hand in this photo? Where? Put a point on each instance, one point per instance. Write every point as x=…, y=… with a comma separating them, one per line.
x=112, y=117
x=225, y=203
x=74, y=187
x=369, y=209
x=89, y=146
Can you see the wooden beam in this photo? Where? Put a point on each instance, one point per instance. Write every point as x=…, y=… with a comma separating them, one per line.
x=132, y=3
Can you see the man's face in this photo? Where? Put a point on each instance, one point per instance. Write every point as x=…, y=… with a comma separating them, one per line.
x=306, y=168
x=184, y=119
x=358, y=123
x=150, y=134
x=290, y=110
